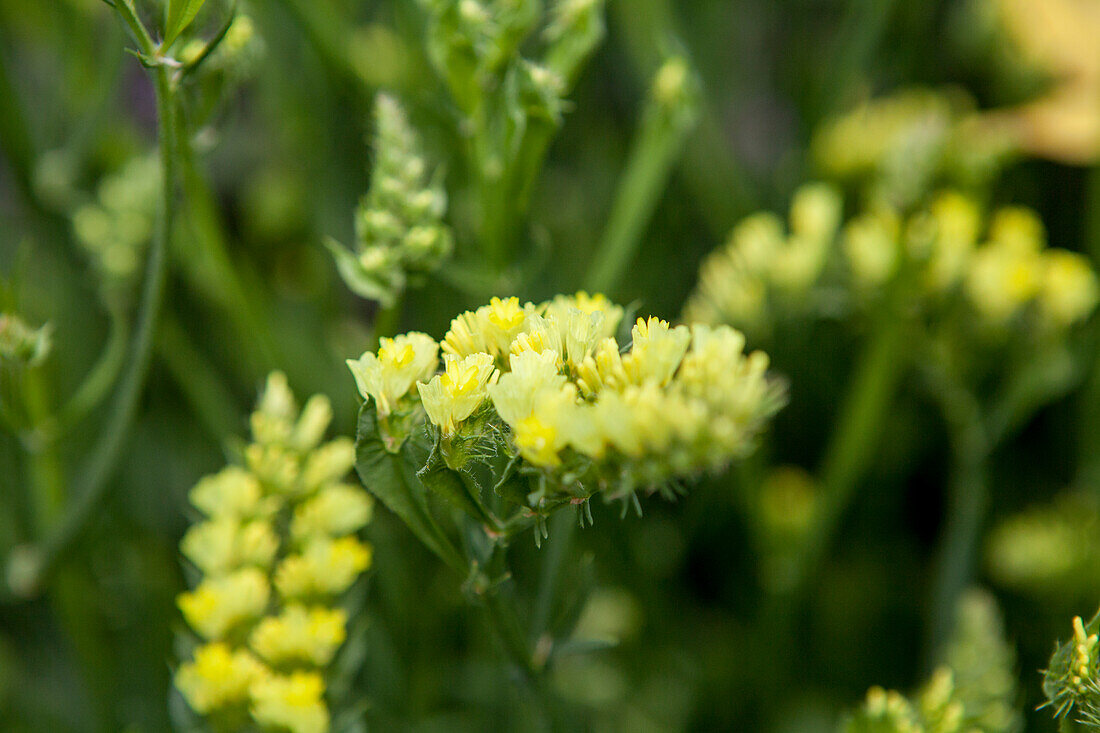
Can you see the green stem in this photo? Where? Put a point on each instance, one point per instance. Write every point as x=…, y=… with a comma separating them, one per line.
x=664, y=128
x=563, y=528
x=92, y=482
x=97, y=384
x=854, y=441
x=968, y=501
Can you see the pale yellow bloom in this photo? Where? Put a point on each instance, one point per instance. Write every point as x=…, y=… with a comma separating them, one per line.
x=218, y=677
x=1069, y=291
x=330, y=462
x=223, y=544
x=400, y=362
x=540, y=335
x=1002, y=280
x=335, y=511
x=958, y=222
x=299, y=634
x=656, y=352
x=451, y=397
x=541, y=435
x=871, y=247
x=815, y=212
x=514, y=395
x=465, y=338
x=232, y=492
x=1018, y=229
x=312, y=423
x=501, y=321
x=293, y=702
x=325, y=567
x=561, y=305
x=603, y=369
x=220, y=604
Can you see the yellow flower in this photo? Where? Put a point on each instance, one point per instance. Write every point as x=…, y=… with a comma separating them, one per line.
x=656, y=352
x=273, y=420
x=220, y=604
x=603, y=369
x=325, y=567
x=815, y=212
x=561, y=305
x=224, y=544
x=312, y=423
x=300, y=635
x=400, y=363
x=451, y=397
x=336, y=510
x=871, y=246
x=232, y=492
x=331, y=462
x=1002, y=279
x=1018, y=229
x=1068, y=291
x=540, y=335
x=515, y=393
x=958, y=222
x=465, y=338
x=292, y=702
x=541, y=435
x=501, y=322
x=218, y=677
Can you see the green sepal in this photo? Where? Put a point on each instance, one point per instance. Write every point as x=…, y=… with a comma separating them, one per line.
x=392, y=479
x=180, y=15
x=457, y=488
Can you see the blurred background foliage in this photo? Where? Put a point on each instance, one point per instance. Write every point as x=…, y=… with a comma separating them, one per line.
x=280, y=120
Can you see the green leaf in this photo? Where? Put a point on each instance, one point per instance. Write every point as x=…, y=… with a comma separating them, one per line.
x=456, y=489
x=391, y=477
x=180, y=15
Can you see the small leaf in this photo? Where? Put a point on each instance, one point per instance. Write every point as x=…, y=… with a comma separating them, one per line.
x=455, y=488
x=391, y=478
x=180, y=15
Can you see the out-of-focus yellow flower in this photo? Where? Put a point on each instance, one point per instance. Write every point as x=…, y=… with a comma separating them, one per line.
x=1069, y=291
x=561, y=305
x=452, y=396
x=222, y=603
x=1002, y=280
x=957, y=220
x=400, y=362
x=871, y=244
x=232, y=492
x=218, y=677
x=293, y=702
x=328, y=463
x=223, y=544
x=299, y=634
x=335, y=511
x=325, y=567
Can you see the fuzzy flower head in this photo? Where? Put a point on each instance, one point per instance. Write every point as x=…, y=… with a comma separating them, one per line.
x=300, y=634
x=400, y=362
x=293, y=702
x=218, y=677
x=454, y=395
x=221, y=604
x=276, y=548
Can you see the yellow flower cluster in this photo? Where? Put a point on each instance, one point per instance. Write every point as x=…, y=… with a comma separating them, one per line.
x=762, y=261
x=679, y=400
x=275, y=549
x=1001, y=269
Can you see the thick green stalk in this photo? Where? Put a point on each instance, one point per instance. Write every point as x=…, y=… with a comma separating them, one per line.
x=92, y=479
x=669, y=117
